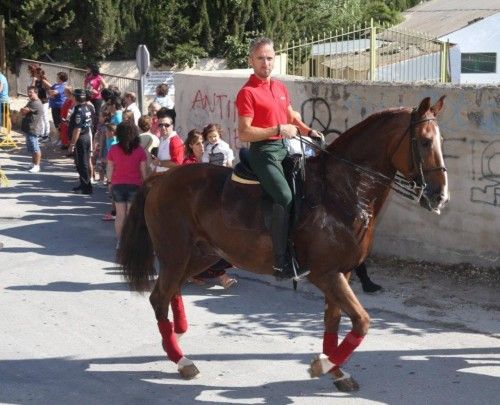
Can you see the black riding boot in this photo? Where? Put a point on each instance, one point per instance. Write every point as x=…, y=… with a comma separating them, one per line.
x=283, y=260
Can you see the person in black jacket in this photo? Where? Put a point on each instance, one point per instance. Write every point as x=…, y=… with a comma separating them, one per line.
x=80, y=126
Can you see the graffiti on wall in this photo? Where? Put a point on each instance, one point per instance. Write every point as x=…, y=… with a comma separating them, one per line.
x=316, y=113
x=218, y=108
x=488, y=177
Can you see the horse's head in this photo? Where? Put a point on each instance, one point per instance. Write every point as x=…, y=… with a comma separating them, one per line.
x=419, y=156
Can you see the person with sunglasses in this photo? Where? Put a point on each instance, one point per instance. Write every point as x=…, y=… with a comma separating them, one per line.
x=171, y=148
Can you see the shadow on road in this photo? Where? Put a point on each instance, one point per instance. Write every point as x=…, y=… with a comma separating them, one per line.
x=443, y=376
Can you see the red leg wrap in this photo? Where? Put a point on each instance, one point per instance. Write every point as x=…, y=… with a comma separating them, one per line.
x=170, y=344
x=348, y=345
x=330, y=343
x=180, y=321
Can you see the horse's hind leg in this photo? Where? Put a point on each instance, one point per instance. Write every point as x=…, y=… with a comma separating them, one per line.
x=339, y=296
x=166, y=293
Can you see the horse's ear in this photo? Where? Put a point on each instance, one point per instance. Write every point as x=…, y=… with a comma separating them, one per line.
x=424, y=106
x=438, y=106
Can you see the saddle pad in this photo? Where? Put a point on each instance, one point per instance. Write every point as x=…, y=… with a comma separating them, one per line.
x=243, y=206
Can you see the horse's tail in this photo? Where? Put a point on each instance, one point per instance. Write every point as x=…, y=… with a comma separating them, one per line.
x=135, y=253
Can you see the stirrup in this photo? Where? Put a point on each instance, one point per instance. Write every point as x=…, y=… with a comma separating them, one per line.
x=297, y=271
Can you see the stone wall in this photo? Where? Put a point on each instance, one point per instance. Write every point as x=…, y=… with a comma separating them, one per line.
x=468, y=230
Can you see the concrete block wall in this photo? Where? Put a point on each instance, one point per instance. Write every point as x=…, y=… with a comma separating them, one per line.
x=467, y=231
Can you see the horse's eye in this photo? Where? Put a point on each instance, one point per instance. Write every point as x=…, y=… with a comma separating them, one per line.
x=426, y=143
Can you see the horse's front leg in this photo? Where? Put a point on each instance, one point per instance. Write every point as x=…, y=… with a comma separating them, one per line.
x=339, y=296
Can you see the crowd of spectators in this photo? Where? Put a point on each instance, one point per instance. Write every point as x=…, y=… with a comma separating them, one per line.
x=113, y=145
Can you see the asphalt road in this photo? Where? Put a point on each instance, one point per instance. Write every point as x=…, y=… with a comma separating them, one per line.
x=72, y=333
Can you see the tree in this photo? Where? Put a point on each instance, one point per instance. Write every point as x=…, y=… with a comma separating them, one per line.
x=380, y=12
x=35, y=28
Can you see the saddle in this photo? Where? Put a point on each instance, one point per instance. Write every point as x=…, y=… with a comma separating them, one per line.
x=245, y=205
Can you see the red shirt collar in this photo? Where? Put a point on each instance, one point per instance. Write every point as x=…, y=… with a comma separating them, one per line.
x=255, y=81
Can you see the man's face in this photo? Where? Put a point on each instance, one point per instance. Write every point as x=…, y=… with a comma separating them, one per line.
x=262, y=61
x=32, y=95
x=165, y=125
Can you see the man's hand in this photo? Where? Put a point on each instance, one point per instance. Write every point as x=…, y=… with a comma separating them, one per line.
x=288, y=131
x=317, y=135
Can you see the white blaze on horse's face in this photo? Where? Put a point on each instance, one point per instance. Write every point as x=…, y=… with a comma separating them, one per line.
x=435, y=194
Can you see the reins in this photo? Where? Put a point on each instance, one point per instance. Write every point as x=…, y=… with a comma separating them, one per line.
x=413, y=189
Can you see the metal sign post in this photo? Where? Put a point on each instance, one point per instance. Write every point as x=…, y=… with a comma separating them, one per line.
x=142, y=60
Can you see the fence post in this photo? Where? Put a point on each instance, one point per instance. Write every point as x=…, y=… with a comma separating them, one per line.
x=442, y=63
x=373, y=51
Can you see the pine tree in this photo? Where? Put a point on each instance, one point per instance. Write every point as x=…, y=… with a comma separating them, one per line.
x=35, y=28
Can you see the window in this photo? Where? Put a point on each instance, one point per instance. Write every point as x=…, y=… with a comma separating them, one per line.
x=479, y=63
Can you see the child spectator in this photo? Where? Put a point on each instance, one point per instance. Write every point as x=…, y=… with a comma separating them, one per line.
x=216, y=151
x=114, y=109
x=128, y=116
x=153, y=109
x=110, y=140
x=66, y=110
x=100, y=146
x=162, y=97
x=148, y=140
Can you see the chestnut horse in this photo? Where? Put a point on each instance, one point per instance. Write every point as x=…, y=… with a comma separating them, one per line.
x=180, y=218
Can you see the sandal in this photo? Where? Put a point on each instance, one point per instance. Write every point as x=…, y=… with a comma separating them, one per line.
x=227, y=282
x=197, y=281
x=108, y=217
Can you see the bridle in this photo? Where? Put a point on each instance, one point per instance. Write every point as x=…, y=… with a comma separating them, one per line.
x=412, y=189
x=418, y=183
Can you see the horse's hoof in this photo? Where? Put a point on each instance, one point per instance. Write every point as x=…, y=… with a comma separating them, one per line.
x=189, y=372
x=315, y=370
x=343, y=381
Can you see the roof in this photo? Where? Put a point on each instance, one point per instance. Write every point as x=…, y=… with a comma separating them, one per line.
x=440, y=17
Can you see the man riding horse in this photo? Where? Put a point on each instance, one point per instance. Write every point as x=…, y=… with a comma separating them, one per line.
x=266, y=119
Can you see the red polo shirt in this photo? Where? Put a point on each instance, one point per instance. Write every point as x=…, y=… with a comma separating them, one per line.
x=265, y=101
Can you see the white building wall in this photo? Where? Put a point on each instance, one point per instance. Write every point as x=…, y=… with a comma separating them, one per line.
x=482, y=36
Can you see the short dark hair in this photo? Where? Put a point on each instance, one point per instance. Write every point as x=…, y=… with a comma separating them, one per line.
x=80, y=95
x=63, y=76
x=258, y=42
x=94, y=68
x=33, y=88
x=166, y=112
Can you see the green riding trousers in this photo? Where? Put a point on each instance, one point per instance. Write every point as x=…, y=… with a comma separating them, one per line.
x=265, y=161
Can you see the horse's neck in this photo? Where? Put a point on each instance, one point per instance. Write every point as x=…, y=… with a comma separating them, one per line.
x=350, y=188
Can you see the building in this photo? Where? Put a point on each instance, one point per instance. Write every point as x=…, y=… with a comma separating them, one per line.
x=472, y=26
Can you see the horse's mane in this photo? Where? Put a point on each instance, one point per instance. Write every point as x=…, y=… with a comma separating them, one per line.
x=359, y=128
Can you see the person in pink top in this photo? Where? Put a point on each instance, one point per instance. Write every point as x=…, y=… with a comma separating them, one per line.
x=95, y=83
x=126, y=166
